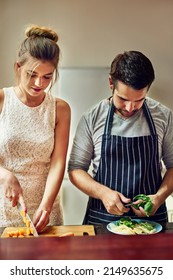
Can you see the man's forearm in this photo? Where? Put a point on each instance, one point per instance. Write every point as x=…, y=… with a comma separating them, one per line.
x=166, y=187
x=84, y=182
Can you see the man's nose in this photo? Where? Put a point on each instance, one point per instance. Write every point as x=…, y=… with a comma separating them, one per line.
x=129, y=106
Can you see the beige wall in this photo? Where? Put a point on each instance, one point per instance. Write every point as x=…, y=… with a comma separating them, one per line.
x=92, y=32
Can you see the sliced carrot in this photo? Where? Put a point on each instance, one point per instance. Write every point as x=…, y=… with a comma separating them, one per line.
x=67, y=234
x=22, y=213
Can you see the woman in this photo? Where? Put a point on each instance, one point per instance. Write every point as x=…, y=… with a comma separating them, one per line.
x=34, y=134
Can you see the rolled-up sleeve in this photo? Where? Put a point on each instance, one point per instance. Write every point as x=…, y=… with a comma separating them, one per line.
x=168, y=143
x=82, y=148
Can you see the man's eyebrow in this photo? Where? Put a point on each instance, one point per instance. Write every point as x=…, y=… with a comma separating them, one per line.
x=128, y=99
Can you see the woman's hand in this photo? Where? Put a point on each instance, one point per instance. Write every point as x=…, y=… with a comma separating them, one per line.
x=12, y=189
x=41, y=218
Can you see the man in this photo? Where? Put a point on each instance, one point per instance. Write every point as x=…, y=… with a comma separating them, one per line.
x=126, y=137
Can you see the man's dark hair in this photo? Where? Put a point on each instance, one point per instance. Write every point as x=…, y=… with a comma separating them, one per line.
x=133, y=69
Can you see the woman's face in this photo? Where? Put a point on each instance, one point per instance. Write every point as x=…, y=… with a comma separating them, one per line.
x=35, y=76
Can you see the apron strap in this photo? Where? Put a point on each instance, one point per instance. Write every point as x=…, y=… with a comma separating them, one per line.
x=110, y=115
x=109, y=119
x=149, y=119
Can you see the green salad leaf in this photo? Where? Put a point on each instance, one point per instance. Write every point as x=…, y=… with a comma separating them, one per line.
x=128, y=222
x=145, y=203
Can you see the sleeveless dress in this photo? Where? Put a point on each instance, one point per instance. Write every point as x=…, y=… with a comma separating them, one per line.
x=26, y=145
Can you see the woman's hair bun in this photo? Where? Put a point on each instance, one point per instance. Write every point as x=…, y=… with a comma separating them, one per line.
x=36, y=31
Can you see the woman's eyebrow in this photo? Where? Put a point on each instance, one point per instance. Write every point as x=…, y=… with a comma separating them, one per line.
x=34, y=72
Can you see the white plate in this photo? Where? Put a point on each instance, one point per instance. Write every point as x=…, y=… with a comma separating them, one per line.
x=157, y=226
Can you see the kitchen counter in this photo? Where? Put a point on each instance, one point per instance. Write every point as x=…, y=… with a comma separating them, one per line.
x=103, y=246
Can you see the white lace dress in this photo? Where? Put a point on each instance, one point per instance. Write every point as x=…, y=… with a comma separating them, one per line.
x=26, y=144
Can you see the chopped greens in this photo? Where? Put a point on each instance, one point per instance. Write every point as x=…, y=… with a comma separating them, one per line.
x=128, y=226
x=127, y=222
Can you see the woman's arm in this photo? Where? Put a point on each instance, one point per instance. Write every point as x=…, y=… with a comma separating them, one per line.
x=9, y=182
x=57, y=164
x=1, y=99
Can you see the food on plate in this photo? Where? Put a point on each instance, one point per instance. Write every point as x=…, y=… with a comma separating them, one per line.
x=132, y=227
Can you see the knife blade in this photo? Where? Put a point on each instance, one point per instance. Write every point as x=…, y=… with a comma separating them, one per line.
x=35, y=233
x=129, y=204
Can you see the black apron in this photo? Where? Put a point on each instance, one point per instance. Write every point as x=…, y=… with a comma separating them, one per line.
x=129, y=165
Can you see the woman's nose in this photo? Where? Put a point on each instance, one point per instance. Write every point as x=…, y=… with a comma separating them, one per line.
x=38, y=81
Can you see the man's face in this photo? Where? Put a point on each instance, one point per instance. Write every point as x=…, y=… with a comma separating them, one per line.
x=128, y=100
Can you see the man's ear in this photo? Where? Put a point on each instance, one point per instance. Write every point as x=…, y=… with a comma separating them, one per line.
x=111, y=84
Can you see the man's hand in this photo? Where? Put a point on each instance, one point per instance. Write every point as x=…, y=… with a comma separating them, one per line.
x=142, y=213
x=114, y=202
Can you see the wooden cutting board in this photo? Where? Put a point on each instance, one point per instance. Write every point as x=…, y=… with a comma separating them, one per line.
x=59, y=230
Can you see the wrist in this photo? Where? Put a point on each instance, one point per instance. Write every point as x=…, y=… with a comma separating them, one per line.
x=46, y=206
x=160, y=198
x=4, y=174
x=103, y=190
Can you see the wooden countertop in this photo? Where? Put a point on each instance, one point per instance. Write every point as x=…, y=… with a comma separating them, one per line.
x=103, y=246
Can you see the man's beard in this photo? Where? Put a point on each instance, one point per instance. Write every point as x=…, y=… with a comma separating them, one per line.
x=125, y=113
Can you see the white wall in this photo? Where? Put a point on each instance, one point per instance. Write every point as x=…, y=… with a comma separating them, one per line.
x=74, y=204
x=81, y=88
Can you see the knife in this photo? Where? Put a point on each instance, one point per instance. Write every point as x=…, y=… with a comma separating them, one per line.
x=129, y=204
x=35, y=233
